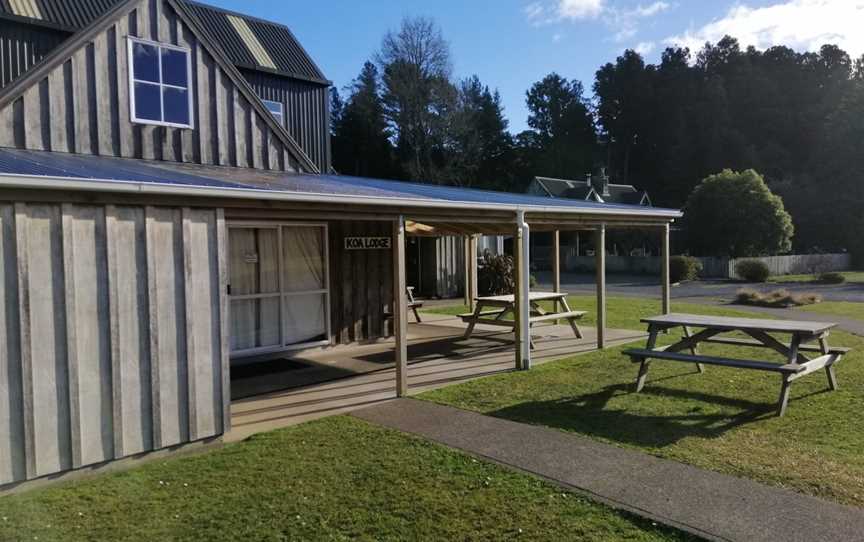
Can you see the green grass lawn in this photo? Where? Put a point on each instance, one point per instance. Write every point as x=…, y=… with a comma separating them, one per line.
x=333, y=479
x=851, y=276
x=722, y=420
x=839, y=308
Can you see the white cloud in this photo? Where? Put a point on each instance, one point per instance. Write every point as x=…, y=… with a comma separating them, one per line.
x=580, y=9
x=557, y=37
x=799, y=24
x=644, y=47
x=623, y=23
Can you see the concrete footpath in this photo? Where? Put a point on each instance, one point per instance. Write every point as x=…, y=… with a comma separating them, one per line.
x=707, y=504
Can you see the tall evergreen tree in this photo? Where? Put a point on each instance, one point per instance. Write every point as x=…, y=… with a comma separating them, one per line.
x=563, y=125
x=361, y=134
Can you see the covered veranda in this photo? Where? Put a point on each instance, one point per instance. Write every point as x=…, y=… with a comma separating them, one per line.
x=422, y=356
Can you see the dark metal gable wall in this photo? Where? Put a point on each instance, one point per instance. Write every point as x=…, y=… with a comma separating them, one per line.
x=22, y=46
x=307, y=111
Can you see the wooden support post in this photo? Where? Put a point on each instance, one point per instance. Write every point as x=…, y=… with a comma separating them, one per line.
x=472, y=270
x=556, y=264
x=600, y=258
x=664, y=267
x=400, y=307
x=466, y=256
x=523, y=304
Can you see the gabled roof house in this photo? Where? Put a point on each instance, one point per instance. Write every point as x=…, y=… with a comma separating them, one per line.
x=594, y=188
x=167, y=210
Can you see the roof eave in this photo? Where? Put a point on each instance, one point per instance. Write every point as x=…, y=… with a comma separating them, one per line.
x=40, y=182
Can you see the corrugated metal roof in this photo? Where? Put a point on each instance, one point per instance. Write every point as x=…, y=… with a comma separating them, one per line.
x=265, y=40
x=66, y=14
x=101, y=168
x=276, y=41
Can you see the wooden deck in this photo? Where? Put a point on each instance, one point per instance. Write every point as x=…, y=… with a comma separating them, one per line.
x=438, y=356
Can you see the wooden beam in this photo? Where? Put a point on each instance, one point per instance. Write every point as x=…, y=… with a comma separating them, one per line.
x=664, y=268
x=523, y=305
x=600, y=256
x=400, y=307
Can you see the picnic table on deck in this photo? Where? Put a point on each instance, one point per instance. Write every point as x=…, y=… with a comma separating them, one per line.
x=491, y=310
x=797, y=363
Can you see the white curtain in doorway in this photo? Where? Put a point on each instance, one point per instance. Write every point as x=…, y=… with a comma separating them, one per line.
x=305, y=284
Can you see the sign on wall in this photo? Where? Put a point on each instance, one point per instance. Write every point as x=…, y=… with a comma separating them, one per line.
x=367, y=243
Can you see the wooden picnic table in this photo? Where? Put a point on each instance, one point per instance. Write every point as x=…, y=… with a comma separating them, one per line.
x=491, y=310
x=796, y=363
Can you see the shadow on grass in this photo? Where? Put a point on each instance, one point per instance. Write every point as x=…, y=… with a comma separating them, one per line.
x=591, y=415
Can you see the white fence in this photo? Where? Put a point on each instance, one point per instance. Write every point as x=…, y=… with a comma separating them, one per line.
x=713, y=267
x=793, y=264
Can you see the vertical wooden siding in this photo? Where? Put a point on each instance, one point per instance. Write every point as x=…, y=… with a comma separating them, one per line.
x=360, y=283
x=111, y=333
x=82, y=106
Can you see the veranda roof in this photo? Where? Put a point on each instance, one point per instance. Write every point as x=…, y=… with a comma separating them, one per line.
x=41, y=169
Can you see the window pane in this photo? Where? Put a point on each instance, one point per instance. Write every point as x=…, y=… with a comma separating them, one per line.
x=273, y=107
x=253, y=256
x=147, y=102
x=305, y=318
x=304, y=258
x=278, y=118
x=174, y=70
x=176, y=105
x=254, y=323
x=145, y=62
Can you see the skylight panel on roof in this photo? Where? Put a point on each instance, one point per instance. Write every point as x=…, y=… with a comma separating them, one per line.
x=251, y=41
x=26, y=8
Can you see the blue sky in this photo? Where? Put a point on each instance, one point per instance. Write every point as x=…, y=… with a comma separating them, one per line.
x=510, y=44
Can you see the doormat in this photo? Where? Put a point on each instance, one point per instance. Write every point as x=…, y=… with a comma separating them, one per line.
x=269, y=367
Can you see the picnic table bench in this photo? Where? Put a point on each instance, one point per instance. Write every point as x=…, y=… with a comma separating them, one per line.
x=491, y=310
x=796, y=364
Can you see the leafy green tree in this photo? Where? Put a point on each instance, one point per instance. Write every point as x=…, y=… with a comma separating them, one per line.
x=361, y=143
x=563, y=127
x=735, y=214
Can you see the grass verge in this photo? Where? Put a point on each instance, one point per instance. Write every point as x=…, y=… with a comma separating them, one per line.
x=851, y=276
x=838, y=308
x=333, y=479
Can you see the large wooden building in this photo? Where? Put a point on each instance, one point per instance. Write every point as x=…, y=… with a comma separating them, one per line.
x=166, y=209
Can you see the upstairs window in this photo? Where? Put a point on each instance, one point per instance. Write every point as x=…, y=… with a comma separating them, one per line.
x=159, y=79
x=276, y=109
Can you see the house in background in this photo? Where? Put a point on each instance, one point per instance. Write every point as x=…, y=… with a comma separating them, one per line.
x=595, y=187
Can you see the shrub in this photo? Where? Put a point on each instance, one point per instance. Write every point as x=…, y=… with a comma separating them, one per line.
x=752, y=270
x=775, y=299
x=684, y=268
x=735, y=214
x=495, y=275
x=832, y=278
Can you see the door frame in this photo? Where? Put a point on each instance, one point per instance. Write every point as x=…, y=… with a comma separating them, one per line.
x=282, y=294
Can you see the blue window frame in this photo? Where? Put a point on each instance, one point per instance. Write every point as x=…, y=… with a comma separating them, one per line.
x=159, y=84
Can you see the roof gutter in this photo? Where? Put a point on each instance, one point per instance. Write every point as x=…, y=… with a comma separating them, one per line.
x=40, y=182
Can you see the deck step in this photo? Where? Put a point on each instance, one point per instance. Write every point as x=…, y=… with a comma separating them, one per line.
x=639, y=354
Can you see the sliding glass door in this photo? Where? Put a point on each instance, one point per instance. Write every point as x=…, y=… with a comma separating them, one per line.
x=278, y=287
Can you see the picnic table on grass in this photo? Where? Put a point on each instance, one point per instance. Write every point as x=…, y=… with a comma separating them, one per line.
x=491, y=310
x=761, y=333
